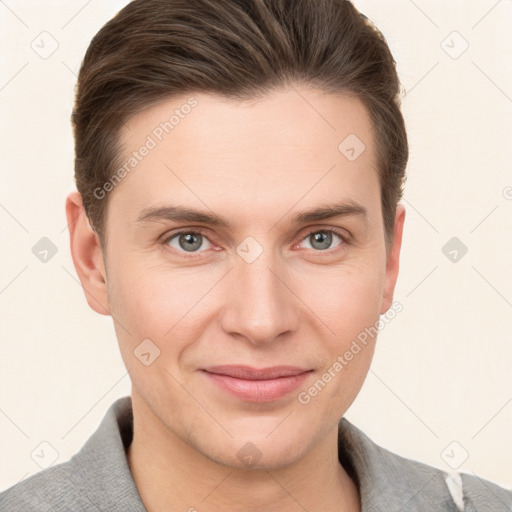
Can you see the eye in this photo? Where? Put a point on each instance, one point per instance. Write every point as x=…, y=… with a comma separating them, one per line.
x=192, y=241
x=322, y=239
x=188, y=241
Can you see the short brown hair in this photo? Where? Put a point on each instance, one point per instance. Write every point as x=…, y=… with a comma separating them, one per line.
x=155, y=49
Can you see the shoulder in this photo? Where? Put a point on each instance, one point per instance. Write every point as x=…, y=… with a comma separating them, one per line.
x=483, y=494
x=390, y=482
x=49, y=490
x=96, y=478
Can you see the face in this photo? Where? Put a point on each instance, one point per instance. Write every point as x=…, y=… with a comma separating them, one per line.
x=254, y=280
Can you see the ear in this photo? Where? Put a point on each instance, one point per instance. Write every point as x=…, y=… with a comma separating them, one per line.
x=392, y=260
x=87, y=255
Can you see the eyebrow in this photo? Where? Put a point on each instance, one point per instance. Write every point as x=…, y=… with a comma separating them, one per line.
x=185, y=214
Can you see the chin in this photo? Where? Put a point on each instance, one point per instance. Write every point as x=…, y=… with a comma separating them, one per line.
x=255, y=452
x=253, y=457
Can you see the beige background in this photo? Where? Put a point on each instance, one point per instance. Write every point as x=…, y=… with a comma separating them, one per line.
x=440, y=388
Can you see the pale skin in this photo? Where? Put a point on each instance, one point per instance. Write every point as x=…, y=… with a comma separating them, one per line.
x=257, y=164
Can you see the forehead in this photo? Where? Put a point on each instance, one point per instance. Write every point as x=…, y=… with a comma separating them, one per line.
x=296, y=115
x=260, y=153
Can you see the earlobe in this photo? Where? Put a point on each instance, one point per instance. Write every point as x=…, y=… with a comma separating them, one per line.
x=87, y=255
x=393, y=260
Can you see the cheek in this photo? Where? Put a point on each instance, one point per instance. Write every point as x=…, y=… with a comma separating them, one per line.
x=154, y=325
x=351, y=313
x=348, y=304
x=158, y=303
x=347, y=299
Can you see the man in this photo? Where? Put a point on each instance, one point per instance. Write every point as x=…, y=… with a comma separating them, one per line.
x=239, y=167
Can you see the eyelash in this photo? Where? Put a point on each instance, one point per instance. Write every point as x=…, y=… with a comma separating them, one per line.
x=198, y=231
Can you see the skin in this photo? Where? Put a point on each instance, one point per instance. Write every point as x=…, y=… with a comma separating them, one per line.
x=257, y=163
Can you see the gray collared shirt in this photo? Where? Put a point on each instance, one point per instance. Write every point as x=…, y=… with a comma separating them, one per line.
x=98, y=477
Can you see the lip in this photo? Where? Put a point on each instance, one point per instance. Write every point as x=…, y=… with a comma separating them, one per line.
x=257, y=385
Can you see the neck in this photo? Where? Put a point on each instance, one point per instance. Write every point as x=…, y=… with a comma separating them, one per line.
x=171, y=475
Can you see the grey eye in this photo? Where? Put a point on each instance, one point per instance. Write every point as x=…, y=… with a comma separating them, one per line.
x=187, y=241
x=322, y=240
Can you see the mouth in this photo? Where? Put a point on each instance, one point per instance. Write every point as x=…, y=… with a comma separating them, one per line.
x=257, y=385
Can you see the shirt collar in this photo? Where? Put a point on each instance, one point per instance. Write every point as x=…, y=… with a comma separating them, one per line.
x=385, y=480
x=101, y=468
x=388, y=481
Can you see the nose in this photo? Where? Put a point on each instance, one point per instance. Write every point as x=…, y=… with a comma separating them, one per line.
x=259, y=304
